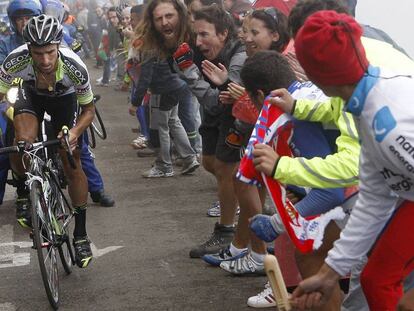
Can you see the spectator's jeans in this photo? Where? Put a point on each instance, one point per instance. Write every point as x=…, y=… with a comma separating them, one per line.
x=120, y=61
x=95, y=182
x=187, y=112
x=106, y=71
x=169, y=123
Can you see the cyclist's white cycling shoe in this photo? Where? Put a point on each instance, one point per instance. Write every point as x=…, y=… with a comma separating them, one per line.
x=243, y=266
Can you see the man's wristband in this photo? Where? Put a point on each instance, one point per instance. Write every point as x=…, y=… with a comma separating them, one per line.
x=293, y=107
x=275, y=167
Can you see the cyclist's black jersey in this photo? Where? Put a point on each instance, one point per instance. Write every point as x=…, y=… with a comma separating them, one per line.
x=71, y=75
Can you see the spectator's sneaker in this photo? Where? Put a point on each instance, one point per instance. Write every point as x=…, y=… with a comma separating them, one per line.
x=262, y=227
x=214, y=210
x=103, y=84
x=223, y=255
x=140, y=142
x=156, y=173
x=23, y=212
x=243, y=266
x=220, y=238
x=83, y=252
x=102, y=198
x=190, y=167
x=146, y=152
x=265, y=299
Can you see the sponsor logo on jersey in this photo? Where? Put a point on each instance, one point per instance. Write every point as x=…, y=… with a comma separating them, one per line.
x=404, y=152
x=16, y=61
x=83, y=91
x=397, y=182
x=383, y=123
x=74, y=73
x=4, y=76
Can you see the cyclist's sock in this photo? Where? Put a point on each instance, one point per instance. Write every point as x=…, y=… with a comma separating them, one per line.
x=236, y=251
x=80, y=221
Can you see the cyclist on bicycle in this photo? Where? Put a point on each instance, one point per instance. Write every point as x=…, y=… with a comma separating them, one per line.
x=55, y=80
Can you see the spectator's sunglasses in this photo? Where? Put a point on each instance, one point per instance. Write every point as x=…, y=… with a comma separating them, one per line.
x=271, y=11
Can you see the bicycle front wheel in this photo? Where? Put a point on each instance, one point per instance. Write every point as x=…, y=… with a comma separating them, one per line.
x=44, y=243
x=98, y=125
x=63, y=216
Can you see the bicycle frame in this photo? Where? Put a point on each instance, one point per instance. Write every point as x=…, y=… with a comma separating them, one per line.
x=44, y=171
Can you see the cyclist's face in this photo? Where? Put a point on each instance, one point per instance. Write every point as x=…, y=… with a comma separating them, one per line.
x=45, y=57
x=20, y=22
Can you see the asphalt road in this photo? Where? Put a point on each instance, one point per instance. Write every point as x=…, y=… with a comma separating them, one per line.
x=142, y=244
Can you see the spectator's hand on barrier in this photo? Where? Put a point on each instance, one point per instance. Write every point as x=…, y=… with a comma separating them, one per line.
x=132, y=110
x=217, y=74
x=265, y=159
x=225, y=98
x=282, y=99
x=313, y=292
x=183, y=56
x=236, y=91
x=407, y=301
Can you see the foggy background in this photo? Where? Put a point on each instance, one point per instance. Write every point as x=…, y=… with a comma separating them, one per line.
x=395, y=17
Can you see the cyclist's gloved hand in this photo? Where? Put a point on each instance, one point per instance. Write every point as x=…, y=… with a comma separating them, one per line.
x=183, y=56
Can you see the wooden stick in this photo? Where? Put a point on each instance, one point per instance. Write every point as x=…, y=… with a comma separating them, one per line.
x=277, y=283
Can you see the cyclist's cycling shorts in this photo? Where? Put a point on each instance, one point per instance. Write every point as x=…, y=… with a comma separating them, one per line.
x=63, y=110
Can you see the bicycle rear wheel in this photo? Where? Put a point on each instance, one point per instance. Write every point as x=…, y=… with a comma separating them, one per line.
x=91, y=137
x=98, y=125
x=44, y=243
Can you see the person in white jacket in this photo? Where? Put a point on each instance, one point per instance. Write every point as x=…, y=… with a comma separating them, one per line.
x=329, y=49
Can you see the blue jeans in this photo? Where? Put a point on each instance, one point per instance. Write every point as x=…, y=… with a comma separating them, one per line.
x=95, y=182
x=4, y=158
x=187, y=112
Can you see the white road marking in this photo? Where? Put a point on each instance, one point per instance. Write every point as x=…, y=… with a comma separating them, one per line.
x=100, y=252
x=8, y=257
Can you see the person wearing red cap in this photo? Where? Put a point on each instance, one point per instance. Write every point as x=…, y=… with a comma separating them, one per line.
x=329, y=49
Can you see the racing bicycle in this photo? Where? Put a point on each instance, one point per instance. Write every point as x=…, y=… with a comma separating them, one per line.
x=50, y=209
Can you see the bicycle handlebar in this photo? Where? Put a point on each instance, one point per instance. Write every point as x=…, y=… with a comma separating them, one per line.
x=69, y=153
x=23, y=146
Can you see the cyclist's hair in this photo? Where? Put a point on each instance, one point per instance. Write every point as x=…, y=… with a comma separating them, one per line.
x=151, y=38
x=274, y=24
x=217, y=16
x=303, y=9
x=266, y=71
